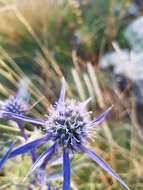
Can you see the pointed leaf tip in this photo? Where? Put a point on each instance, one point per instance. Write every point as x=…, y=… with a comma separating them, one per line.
x=27, y=147
x=101, y=117
x=104, y=165
x=85, y=102
x=6, y=156
x=62, y=92
x=45, y=155
x=23, y=118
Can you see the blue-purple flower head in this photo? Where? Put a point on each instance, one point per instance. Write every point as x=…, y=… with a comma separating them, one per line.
x=67, y=123
x=18, y=104
x=14, y=105
x=69, y=126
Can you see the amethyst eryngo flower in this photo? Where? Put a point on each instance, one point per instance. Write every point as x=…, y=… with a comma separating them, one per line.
x=18, y=104
x=69, y=127
x=13, y=104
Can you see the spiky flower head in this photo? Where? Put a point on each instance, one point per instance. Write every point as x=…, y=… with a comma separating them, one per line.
x=66, y=122
x=14, y=105
x=17, y=104
x=68, y=125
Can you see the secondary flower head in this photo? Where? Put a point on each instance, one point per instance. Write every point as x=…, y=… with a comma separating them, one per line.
x=69, y=126
x=14, y=105
x=17, y=104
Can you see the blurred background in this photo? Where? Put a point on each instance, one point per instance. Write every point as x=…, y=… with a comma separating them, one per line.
x=97, y=45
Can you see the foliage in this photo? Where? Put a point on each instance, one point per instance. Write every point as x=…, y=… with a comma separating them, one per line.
x=44, y=41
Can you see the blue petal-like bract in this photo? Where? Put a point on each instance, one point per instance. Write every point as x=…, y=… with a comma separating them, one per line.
x=99, y=119
x=23, y=118
x=45, y=155
x=103, y=164
x=6, y=156
x=66, y=170
x=28, y=146
x=62, y=93
x=49, y=187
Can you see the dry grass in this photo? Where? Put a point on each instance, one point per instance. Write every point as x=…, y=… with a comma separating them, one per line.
x=118, y=142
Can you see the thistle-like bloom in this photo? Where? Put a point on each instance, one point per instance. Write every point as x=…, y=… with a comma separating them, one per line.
x=14, y=105
x=18, y=104
x=69, y=126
